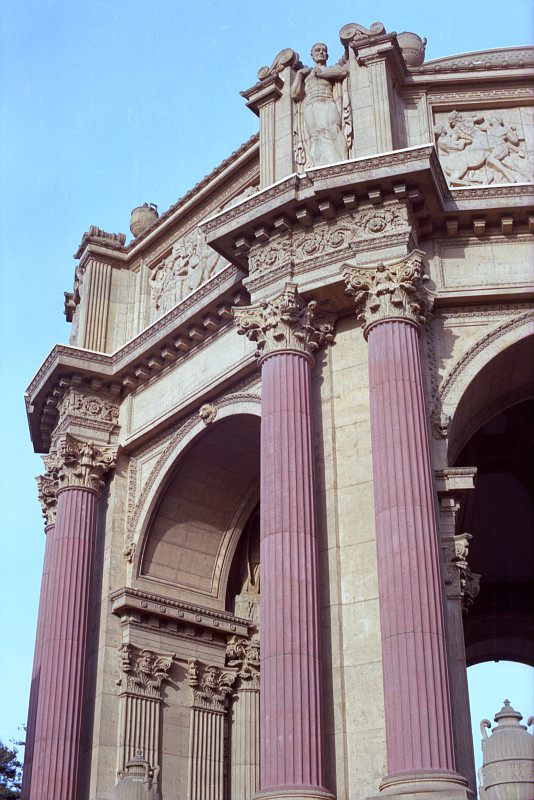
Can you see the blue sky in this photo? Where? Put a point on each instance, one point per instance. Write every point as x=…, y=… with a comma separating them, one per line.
x=105, y=106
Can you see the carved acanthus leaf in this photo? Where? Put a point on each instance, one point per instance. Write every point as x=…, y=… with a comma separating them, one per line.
x=210, y=685
x=73, y=462
x=47, y=486
x=391, y=290
x=286, y=322
x=143, y=672
x=459, y=580
x=244, y=656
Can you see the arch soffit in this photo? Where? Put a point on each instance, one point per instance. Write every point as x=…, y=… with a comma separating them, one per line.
x=458, y=379
x=158, y=479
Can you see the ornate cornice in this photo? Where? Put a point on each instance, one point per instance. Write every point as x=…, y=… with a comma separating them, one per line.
x=76, y=463
x=142, y=673
x=286, y=322
x=47, y=486
x=390, y=290
x=459, y=580
x=210, y=686
x=244, y=656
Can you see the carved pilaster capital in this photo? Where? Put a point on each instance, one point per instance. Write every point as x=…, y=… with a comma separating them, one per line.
x=286, y=322
x=142, y=672
x=459, y=580
x=85, y=410
x=73, y=462
x=47, y=486
x=210, y=685
x=390, y=290
x=243, y=655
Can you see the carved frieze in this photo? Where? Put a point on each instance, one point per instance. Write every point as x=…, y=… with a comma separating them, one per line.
x=142, y=672
x=485, y=147
x=392, y=290
x=190, y=264
x=210, y=685
x=47, y=486
x=81, y=402
x=73, y=462
x=459, y=580
x=244, y=656
x=286, y=322
x=300, y=246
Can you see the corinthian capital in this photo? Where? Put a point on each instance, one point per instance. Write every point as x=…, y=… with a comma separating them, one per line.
x=286, y=322
x=47, y=486
x=73, y=462
x=390, y=290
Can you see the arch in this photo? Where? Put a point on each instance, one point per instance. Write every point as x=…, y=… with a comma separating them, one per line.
x=233, y=419
x=467, y=368
x=492, y=429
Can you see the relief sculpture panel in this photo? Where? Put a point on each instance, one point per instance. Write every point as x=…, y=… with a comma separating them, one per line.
x=486, y=146
x=190, y=264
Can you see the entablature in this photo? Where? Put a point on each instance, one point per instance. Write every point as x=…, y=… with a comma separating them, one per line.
x=167, y=340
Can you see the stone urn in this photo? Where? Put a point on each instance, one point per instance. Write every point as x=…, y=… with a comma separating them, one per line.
x=412, y=47
x=142, y=218
x=138, y=781
x=508, y=757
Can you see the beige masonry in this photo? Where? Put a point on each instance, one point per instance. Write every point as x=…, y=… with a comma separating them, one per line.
x=439, y=159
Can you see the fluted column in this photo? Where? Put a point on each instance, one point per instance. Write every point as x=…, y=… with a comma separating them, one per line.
x=48, y=499
x=78, y=468
x=244, y=767
x=420, y=752
x=287, y=332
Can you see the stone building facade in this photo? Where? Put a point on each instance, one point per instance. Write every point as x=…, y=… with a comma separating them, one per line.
x=288, y=482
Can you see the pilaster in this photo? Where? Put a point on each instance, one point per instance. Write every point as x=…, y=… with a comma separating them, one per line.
x=244, y=768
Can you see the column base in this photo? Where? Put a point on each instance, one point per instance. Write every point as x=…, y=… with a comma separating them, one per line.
x=425, y=785
x=294, y=793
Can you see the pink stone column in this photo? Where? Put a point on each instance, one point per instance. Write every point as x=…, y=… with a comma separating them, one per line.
x=290, y=698
x=419, y=733
x=64, y=646
x=36, y=671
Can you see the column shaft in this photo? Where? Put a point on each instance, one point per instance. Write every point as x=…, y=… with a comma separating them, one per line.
x=416, y=692
x=290, y=699
x=36, y=671
x=58, y=728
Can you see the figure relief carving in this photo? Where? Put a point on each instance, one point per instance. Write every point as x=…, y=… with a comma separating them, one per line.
x=459, y=580
x=142, y=673
x=392, y=290
x=210, y=685
x=286, y=322
x=191, y=263
x=323, y=128
x=207, y=413
x=482, y=147
x=73, y=462
x=47, y=486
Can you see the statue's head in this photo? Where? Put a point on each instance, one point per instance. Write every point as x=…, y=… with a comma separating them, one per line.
x=319, y=53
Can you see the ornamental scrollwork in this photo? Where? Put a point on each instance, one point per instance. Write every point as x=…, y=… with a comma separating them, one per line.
x=459, y=580
x=143, y=672
x=76, y=463
x=88, y=406
x=47, y=486
x=244, y=656
x=392, y=290
x=210, y=685
x=286, y=322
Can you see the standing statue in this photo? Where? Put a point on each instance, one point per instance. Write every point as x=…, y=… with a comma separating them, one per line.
x=323, y=131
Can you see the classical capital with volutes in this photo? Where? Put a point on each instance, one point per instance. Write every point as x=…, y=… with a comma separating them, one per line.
x=73, y=462
x=285, y=323
x=390, y=290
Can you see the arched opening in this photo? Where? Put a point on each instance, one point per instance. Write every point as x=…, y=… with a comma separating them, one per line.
x=492, y=430
x=203, y=509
